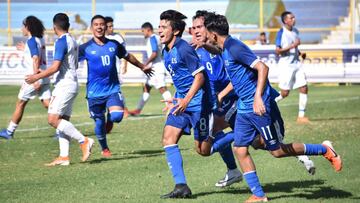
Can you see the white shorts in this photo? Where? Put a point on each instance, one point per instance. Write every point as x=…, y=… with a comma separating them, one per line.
x=291, y=76
x=28, y=92
x=61, y=102
x=158, y=79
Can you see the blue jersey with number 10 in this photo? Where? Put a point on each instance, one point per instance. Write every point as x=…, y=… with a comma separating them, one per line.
x=101, y=61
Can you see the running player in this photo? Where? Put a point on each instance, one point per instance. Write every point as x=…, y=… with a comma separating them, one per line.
x=193, y=106
x=66, y=89
x=121, y=65
x=257, y=112
x=153, y=50
x=291, y=75
x=34, y=61
x=103, y=88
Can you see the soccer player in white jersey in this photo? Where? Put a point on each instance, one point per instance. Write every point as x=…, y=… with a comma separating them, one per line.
x=34, y=61
x=121, y=64
x=66, y=89
x=153, y=50
x=291, y=75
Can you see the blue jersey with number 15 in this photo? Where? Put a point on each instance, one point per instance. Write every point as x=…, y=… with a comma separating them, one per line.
x=101, y=61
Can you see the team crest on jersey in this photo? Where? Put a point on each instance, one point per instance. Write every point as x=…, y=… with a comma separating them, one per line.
x=173, y=60
x=111, y=49
x=93, y=52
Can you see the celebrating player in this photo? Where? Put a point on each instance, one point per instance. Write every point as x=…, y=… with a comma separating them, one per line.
x=103, y=87
x=34, y=61
x=257, y=112
x=193, y=106
x=65, y=92
x=291, y=75
x=153, y=50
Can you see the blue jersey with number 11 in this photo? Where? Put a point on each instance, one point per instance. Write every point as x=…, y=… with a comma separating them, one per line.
x=101, y=61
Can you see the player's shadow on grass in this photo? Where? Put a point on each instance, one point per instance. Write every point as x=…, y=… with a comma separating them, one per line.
x=336, y=119
x=132, y=155
x=310, y=190
x=155, y=115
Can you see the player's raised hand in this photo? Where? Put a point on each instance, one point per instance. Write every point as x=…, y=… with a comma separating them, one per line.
x=20, y=46
x=30, y=79
x=258, y=106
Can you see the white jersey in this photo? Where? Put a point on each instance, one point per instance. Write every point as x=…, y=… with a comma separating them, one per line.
x=153, y=45
x=285, y=38
x=35, y=46
x=66, y=51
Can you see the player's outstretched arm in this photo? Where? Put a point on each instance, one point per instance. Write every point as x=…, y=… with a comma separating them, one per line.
x=198, y=82
x=146, y=69
x=43, y=74
x=224, y=92
x=263, y=70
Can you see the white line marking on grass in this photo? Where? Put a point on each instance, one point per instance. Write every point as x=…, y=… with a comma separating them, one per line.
x=323, y=101
x=89, y=123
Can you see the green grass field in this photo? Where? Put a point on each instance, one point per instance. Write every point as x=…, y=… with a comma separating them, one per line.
x=137, y=171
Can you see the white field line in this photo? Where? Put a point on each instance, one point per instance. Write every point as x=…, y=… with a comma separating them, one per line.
x=345, y=99
x=89, y=123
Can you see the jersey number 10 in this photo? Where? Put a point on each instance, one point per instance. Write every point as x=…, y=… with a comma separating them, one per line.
x=105, y=60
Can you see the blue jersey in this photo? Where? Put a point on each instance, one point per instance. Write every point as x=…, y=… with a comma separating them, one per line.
x=183, y=64
x=101, y=61
x=239, y=62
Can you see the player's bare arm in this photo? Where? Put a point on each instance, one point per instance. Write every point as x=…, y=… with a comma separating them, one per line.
x=151, y=58
x=43, y=74
x=199, y=80
x=262, y=70
x=146, y=69
x=224, y=92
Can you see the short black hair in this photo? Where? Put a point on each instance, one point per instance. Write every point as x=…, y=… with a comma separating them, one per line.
x=97, y=17
x=202, y=13
x=217, y=23
x=61, y=20
x=263, y=33
x=147, y=25
x=284, y=14
x=35, y=26
x=108, y=19
x=176, y=19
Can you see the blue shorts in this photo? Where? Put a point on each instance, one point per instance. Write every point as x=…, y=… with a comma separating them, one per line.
x=228, y=109
x=270, y=126
x=201, y=122
x=97, y=106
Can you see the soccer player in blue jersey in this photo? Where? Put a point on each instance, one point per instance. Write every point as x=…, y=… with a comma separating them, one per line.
x=153, y=50
x=193, y=106
x=257, y=111
x=103, y=88
x=224, y=115
x=34, y=61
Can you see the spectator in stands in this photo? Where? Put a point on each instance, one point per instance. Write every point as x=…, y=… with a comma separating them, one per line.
x=78, y=23
x=262, y=39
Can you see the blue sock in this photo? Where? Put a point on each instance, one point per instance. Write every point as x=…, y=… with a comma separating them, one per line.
x=254, y=184
x=228, y=157
x=314, y=149
x=222, y=140
x=175, y=163
x=103, y=142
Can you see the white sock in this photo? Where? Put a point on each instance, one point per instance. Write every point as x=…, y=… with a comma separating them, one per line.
x=166, y=96
x=143, y=99
x=303, y=158
x=69, y=129
x=302, y=104
x=64, y=142
x=12, y=127
x=279, y=98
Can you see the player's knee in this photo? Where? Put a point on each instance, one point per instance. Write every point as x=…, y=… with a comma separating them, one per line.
x=52, y=121
x=285, y=93
x=277, y=153
x=99, y=127
x=116, y=116
x=203, y=152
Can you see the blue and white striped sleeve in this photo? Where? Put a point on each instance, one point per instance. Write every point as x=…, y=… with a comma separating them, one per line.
x=61, y=49
x=31, y=43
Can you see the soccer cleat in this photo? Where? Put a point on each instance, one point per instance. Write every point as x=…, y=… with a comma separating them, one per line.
x=62, y=161
x=106, y=153
x=332, y=156
x=4, y=133
x=309, y=164
x=86, y=148
x=254, y=198
x=135, y=112
x=180, y=191
x=231, y=177
x=303, y=120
